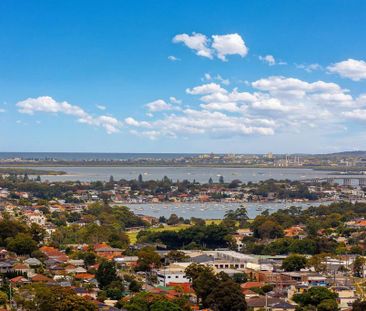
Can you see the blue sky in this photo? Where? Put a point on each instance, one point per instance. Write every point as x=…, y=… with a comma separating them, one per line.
x=182, y=76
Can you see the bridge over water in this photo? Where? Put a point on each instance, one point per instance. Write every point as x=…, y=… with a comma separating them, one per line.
x=345, y=181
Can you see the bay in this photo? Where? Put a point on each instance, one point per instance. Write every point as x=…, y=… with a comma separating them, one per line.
x=212, y=210
x=200, y=174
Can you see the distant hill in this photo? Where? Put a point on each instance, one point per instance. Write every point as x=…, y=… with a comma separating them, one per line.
x=357, y=153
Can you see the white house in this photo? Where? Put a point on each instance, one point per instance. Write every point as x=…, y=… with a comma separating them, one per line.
x=171, y=275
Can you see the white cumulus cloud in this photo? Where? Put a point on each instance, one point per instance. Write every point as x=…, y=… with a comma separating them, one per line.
x=230, y=44
x=158, y=105
x=47, y=104
x=206, y=89
x=309, y=67
x=174, y=100
x=197, y=42
x=357, y=114
x=350, y=68
x=269, y=59
x=218, y=45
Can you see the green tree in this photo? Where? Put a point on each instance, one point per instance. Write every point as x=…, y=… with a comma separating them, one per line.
x=3, y=298
x=142, y=301
x=328, y=305
x=10, y=228
x=240, y=278
x=203, y=281
x=226, y=296
x=37, y=232
x=316, y=261
x=270, y=230
x=359, y=305
x=148, y=259
x=26, y=177
x=164, y=306
x=55, y=298
x=173, y=220
x=294, y=262
x=106, y=274
x=265, y=227
x=240, y=215
x=135, y=286
x=140, y=180
x=22, y=244
x=89, y=258
x=176, y=256
x=114, y=290
x=315, y=296
x=358, y=266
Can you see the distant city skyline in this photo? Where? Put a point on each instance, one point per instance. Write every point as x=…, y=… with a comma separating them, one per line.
x=183, y=77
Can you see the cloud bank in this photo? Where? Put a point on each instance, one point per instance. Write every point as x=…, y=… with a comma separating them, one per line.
x=47, y=104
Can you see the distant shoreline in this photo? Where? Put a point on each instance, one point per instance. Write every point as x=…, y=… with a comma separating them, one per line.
x=29, y=171
x=114, y=164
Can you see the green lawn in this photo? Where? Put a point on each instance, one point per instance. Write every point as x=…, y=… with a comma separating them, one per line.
x=133, y=234
x=213, y=221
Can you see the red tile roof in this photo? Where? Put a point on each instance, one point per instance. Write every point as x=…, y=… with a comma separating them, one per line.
x=41, y=278
x=18, y=279
x=249, y=285
x=84, y=276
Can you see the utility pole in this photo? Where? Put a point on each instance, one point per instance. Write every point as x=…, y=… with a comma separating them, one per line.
x=266, y=308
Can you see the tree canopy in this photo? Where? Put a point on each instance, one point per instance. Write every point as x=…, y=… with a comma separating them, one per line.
x=294, y=262
x=320, y=297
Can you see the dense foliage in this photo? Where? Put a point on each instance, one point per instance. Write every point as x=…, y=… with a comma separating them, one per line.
x=318, y=222
x=56, y=298
x=319, y=297
x=216, y=291
x=149, y=302
x=198, y=236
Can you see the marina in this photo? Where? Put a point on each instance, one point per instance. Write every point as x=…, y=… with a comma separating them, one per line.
x=212, y=210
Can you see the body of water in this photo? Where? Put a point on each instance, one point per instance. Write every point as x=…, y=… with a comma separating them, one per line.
x=200, y=174
x=210, y=210
x=88, y=156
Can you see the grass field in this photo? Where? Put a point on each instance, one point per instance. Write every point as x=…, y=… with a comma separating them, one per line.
x=132, y=235
x=213, y=221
